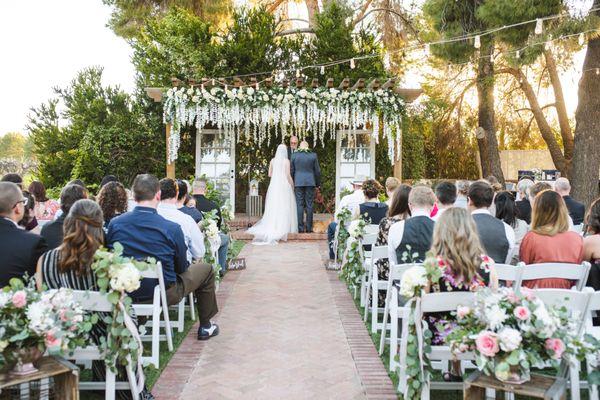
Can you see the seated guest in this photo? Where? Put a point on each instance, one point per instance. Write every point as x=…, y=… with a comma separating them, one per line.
x=14, y=178
x=108, y=179
x=458, y=251
x=397, y=212
x=69, y=266
x=29, y=222
x=53, y=231
x=372, y=209
x=45, y=208
x=497, y=237
x=20, y=249
x=391, y=184
x=550, y=239
x=445, y=193
x=413, y=236
x=496, y=186
x=113, y=201
x=182, y=198
x=536, y=188
x=205, y=205
x=352, y=202
x=507, y=211
x=591, y=244
x=462, y=187
x=576, y=209
x=194, y=239
x=143, y=233
x=523, y=204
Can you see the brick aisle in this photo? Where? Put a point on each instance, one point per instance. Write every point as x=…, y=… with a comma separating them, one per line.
x=287, y=332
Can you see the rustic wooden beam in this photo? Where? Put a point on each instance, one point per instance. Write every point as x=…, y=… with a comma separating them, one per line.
x=299, y=82
x=409, y=95
x=237, y=82
x=329, y=83
x=389, y=84
x=253, y=82
x=345, y=83
x=285, y=83
x=154, y=93
x=315, y=83
x=268, y=82
x=360, y=84
x=374, y=84
x=175, y=82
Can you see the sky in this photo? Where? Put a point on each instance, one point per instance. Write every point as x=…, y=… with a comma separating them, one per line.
x=46, y=42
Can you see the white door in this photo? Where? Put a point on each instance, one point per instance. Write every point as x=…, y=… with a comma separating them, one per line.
x=215, y=159
x=355, y=155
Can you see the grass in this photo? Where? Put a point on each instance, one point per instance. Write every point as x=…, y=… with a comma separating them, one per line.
x=152, y=374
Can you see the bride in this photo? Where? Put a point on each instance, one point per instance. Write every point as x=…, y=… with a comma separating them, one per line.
x=280, y=217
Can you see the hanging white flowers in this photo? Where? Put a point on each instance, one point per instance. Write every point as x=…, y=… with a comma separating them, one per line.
x=261, y=113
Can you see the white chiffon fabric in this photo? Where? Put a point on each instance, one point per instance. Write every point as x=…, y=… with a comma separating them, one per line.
x=280, y=217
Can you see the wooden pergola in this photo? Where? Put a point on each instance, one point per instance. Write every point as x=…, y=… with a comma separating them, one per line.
x=362, y=84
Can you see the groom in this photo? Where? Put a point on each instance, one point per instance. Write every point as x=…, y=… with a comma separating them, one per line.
x=306, y=175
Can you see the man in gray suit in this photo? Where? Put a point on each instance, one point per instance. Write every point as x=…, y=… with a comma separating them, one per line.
x=306, y=174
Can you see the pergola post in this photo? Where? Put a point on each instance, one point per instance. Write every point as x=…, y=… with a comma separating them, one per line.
x=170, y=165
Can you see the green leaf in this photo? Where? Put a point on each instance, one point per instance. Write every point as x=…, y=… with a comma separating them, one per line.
x=113, y=297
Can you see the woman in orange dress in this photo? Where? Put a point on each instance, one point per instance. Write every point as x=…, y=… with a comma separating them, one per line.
x=550, y=240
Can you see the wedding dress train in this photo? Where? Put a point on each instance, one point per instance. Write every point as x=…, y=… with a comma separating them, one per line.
x=280, y=217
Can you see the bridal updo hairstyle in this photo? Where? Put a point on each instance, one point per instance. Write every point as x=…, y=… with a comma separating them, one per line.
x=82, y=236
x=371, y=188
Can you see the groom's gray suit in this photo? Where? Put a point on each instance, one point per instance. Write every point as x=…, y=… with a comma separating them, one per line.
x=307, y=175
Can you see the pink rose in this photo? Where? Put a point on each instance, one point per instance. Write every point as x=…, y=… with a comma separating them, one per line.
x=557, y=346
x=463, y=348
x=522, y=313
x=462, y=311
x=512, y=296
x=19, y=299
x=51, y=340
x=528, y=293
x=487, y=343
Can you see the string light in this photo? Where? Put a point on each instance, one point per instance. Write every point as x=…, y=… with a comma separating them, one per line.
x=297, y=73
x=322, y=70
x=518, y=54
x=352, y=65
x=597, y=71
x=539, y=26
x=581, y=39
x=477, y=43
x=213, y=82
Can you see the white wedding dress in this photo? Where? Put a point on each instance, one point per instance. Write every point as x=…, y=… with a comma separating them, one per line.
x=280, y=217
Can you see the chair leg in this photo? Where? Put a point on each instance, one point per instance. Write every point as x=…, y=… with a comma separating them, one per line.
x=192, y=306
x=109, y=394
x=132, y=381
x=574, y=378
x=393, y=337
x=168, y=331
x=180, y=315
x=593, y=389
x=366, y=310
x=154, y=358
x=386, y=312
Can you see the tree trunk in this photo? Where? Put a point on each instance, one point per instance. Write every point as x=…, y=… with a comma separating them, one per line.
x=586, y=159
x=561, y=109
x=313, y=9
x=546, y=131
x=488, y=146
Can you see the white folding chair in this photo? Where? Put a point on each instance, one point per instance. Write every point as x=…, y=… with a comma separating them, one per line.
x=396, y=312
x=97, y=302
x=591, y=359
x=159, y=305
x=180, y=322
x=368, y=240
x=577, y=302
x=433, y=303
x=373, y=283
x=510, y=273
x=372, y=228
x=573, y=272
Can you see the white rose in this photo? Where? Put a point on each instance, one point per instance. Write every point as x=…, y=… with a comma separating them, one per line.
x=279, y=97
x=510, y=339
x=214, y=91
x=412, y=279
x=302, y=93
x=353, y=229
x=265, y=97
x=289, y=97
x=496, y=316
x=195, y=99
x=126, y=278
x=190, y=91
x=250, y=91
x=170, y=92
x=40, y=316
x=4, y=299
x=345, y=95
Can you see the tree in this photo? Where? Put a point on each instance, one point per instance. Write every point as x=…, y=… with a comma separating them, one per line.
x=13, y=145
x=451, y=19
x=586, y=160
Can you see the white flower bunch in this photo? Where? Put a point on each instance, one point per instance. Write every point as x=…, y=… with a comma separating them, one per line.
x=412, y=280
x=355, y=229
x=211, y=230
x=124, y=277
x=4, y=299
x=40, y=316
x=510, y=339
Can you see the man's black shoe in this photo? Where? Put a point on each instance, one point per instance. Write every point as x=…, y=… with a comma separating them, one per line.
x=207, y=333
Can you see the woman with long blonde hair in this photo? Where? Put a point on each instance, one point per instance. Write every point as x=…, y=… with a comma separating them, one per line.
x=549, y=239
x=456, y=250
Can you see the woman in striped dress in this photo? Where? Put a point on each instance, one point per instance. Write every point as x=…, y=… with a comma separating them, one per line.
x=69, y=266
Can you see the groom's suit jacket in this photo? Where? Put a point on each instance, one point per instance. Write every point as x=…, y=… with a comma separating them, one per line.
x=305, y=169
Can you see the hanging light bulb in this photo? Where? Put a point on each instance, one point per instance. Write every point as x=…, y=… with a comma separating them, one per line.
x=297, y=73
x=213, y=81
x=225, y=87
x=257, y=85
x=539, y=26
x=352, y=66
x=202, y=87
x=581, y=39
x=322, y=70
x=518, y=54
x=597, y=71
x=477, y=42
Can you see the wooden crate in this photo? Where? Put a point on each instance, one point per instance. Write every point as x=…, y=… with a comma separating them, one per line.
x=55, y=379
x=539, y=387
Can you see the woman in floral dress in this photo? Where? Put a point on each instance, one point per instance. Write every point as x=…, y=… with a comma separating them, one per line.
x=45, y=208
x=456, y=250
x=397, y=212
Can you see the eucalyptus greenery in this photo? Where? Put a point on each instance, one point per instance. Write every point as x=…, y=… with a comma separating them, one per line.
x=344, y=216
x=354, y=258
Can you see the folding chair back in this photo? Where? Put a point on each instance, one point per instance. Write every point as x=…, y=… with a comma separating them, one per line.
x=97, y=302
x=510, y=273
x=373, y=283
x=372, y=228
x=573, y=272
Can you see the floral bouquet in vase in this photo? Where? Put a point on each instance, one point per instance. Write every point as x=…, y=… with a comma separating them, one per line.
x=212, y=240
x=32, y=322
x=512, y=332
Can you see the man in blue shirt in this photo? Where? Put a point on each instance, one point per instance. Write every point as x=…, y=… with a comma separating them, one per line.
x=143, y=233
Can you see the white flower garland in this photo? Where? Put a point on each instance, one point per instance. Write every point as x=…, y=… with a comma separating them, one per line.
x=259, y=113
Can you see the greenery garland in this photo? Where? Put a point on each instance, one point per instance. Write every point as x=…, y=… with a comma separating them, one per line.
x=353, y=260
x=344, y=216
x=209, y=227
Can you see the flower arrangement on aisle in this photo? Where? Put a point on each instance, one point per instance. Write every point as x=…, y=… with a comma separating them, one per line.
x=264, y=113
x=353, y=259
x=118, y=275
x=212, y=240
x=512, y=332
x=227, y=215
x=32, y=322
x=343, y=217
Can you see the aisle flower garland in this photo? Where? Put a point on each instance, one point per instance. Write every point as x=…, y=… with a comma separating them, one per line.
x=212, y=240
x=343, y=217
x=353, y=260
x=261, y=114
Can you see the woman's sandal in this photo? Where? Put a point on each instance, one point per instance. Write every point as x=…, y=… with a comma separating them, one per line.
x=449, y=377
